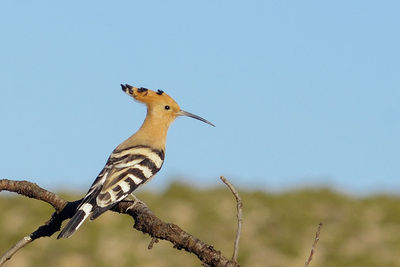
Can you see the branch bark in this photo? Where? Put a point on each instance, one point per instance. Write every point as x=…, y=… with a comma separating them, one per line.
x=145, y=221
x=239, y=206
x=314, y=246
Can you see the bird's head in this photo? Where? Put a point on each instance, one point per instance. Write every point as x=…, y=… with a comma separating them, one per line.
x=159, y=104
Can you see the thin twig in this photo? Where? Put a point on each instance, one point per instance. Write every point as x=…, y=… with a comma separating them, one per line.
x=314, y=245
x=9, y=253
x=153, y=240
x=239, y=206
x=47, y=229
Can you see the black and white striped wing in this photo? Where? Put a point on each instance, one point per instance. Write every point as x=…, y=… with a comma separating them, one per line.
x=125, y=171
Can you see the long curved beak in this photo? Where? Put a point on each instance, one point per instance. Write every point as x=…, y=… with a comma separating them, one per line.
x=188, y=114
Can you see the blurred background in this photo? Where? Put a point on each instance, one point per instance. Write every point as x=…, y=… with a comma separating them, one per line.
x=305, y=97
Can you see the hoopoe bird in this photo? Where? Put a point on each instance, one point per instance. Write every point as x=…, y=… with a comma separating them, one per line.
x=135, y=161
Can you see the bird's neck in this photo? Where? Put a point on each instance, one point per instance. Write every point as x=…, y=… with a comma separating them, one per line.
x=153, y=133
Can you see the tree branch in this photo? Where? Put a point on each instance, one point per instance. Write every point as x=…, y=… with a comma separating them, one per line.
x=316, y=239
x=145, y=221
x=14, y=249
x=239, y=206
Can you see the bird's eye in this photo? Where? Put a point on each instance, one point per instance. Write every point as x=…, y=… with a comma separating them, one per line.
x=167, y=107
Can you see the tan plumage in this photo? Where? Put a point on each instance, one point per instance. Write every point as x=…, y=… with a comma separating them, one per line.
x=154, y=129
x=135, y=161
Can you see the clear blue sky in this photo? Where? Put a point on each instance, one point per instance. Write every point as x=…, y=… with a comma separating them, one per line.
x=302, y=92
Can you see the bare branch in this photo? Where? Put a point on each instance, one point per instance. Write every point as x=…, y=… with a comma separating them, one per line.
x=313, y=246
x=152, y=242
x=144, y=218
x=239, y=206
x=9, y=253
x=32, y=190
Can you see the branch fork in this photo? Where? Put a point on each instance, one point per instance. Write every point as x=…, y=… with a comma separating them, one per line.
x=144, y=221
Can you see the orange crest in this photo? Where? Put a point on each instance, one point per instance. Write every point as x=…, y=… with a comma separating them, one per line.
x=159, y=103
x=150, y=97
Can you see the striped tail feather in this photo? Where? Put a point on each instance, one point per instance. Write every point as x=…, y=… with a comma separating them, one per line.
x=100, y=210
x=76, y=221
